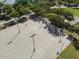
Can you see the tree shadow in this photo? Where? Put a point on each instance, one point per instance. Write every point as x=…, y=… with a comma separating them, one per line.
x=53, y=30
x=36, y=18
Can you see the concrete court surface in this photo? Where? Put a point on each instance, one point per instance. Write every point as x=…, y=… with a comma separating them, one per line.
x=15, y=45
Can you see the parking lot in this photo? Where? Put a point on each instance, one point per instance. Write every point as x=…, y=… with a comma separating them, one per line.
x=31, y=41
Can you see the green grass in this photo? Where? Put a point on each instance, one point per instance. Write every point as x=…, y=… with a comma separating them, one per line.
x=73, y=10
x=69, y=53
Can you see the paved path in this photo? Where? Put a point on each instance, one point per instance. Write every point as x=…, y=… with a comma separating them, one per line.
x=75, y=21
x=15, y=45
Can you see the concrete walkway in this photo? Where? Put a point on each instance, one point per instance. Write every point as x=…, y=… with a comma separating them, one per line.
x=15, y=45
x=75, y=21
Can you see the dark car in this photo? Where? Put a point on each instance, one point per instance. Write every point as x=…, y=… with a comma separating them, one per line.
x=21, y=20
x=10, y=23
x=70, y=37
x=5, y=17
x=33, y=16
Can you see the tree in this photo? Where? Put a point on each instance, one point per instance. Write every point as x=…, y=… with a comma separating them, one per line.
x=24, y=2
x=76, y=28
x=1, y=4
x=22, y=10
x=56, y=20
x=20, y=2
x=66, y=14
x=14, y=14
x=8, y=8
x=38, y=10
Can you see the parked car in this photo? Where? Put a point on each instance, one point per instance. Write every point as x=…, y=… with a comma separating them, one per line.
x=22, y=19
x=69, y=37
x=5, y=17
x=10, y=23
x=33, y=16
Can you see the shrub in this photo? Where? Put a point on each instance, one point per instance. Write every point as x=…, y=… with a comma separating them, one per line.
x=14, y=14
x=76, y=43
x=21, y=10
x=70, y=28
x=66, y=14
x=38, y=10
x=76, y=28
x=73, y=28
x=8, y=8
x=2, y=26
x=56, y=20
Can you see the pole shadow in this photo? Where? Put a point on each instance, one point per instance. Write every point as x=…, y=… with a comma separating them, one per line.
x=33, y=45
x=13, y=38
x=32, y=53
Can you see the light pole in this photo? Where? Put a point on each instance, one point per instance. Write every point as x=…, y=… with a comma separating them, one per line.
x=60, y=41
x=33, y=44
x=17, y=25
x=61, y=33
x=16, y=34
